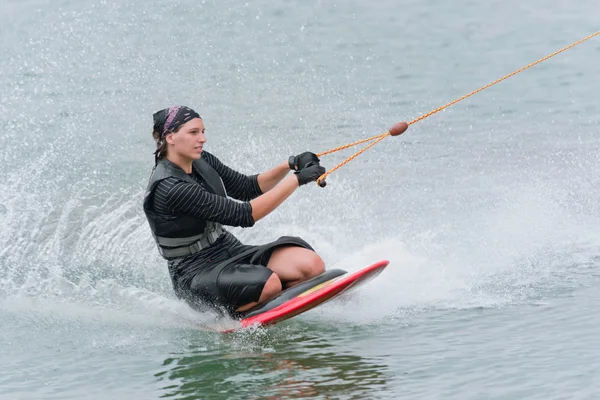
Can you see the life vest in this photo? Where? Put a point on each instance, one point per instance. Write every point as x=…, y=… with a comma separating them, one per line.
x=181, y=235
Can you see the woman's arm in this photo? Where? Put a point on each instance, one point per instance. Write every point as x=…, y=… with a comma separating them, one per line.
x=247, y=187
x=238, y=186
x=172, y=195
x=269, y=179
x=264, y=204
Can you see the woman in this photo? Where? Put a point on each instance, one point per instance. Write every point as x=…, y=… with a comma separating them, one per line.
x=189, y=199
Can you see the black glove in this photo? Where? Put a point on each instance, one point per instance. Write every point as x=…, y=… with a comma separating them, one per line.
x=310, y=173
x=301, y=161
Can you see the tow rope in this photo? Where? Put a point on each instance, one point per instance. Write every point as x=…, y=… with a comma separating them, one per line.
x=400, y=127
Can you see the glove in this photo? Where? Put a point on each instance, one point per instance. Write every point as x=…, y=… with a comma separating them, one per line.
x=310, y=173
x=301, y=161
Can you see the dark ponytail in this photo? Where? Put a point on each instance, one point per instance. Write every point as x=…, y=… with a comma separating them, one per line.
x=161, y=147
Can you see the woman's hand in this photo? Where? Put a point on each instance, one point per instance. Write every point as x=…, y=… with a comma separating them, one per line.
x=302, y=160
x=310, y=173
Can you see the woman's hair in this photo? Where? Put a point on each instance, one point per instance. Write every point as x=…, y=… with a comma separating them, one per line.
x=161, y=146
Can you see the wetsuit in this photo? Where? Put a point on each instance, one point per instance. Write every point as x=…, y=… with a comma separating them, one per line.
x=225, y=274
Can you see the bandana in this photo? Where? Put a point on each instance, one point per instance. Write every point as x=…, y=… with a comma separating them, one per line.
x=170, y=119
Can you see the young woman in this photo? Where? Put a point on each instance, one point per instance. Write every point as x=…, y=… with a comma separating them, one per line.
x=190, y=197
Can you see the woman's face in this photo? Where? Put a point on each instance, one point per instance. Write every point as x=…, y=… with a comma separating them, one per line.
x=188, y=141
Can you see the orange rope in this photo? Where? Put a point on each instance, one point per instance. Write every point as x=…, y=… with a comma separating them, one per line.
x=379, y=138
x=351, y=144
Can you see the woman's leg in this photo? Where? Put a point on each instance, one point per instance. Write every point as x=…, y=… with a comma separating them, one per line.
x=295, y=264
x=291, y=265
x=271, y=289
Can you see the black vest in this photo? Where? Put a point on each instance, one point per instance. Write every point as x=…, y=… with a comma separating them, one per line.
x=180, y=235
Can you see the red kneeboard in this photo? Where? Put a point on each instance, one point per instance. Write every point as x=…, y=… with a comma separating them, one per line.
x=310, y=297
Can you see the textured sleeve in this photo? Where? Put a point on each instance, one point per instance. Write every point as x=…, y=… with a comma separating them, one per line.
x=239, y=186
x=185, y=198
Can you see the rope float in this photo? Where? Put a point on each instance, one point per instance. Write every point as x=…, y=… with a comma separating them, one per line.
x=401, y=127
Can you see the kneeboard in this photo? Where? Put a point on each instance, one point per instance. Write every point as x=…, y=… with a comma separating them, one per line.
x=307, y=295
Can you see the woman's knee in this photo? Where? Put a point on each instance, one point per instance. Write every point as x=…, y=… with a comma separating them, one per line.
x=315, y=265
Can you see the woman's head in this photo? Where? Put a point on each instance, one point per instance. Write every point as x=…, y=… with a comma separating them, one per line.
x=178, y=130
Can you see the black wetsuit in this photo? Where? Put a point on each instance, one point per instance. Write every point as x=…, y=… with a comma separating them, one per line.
x=227, y=274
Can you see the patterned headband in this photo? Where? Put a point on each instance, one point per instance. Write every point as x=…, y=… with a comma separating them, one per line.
x=170, y=119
